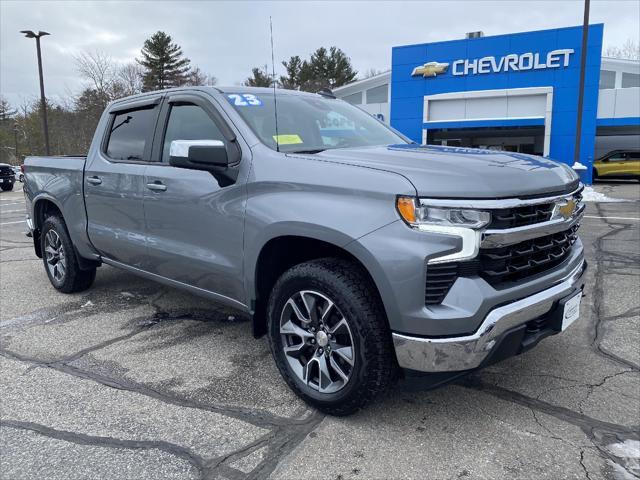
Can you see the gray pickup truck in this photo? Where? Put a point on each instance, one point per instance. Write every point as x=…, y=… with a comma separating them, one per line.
x=362, y=255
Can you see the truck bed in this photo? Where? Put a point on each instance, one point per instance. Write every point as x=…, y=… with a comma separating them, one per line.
x=58, y=181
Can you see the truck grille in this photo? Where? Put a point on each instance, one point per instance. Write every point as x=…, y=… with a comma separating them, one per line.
x=517, y=262
x=524, y=215
x=501, y=266
x=6, y=171
x=521, y=216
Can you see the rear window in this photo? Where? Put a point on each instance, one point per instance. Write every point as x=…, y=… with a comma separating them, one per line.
x=130, y=134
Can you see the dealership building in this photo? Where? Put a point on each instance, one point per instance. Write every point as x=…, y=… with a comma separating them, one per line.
x=516, y=92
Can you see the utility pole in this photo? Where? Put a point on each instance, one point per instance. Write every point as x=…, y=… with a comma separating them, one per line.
x=583, y=63
x=43, y=100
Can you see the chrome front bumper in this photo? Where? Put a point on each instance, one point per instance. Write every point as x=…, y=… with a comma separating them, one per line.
x=452, y=354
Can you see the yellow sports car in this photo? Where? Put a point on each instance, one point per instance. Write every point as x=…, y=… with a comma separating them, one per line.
x=618, y=164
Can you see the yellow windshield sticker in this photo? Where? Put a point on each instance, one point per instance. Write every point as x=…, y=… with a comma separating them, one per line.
x=287, y=139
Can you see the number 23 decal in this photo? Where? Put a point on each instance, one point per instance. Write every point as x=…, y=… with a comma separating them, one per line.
x=244, y=100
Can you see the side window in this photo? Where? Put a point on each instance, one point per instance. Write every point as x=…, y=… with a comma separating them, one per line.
x=130, y=134
x=189, y=122
x=617, y=157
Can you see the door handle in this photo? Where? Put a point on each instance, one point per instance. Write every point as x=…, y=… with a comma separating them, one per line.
x=157, y=186
x=94, y=180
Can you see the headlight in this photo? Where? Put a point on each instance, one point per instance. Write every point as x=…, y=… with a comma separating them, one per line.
x=416, y=213
x=461, y=222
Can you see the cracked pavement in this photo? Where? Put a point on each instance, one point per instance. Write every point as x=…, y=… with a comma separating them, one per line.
x=134, y=380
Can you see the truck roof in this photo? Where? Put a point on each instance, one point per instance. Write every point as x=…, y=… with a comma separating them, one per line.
x=219, y=89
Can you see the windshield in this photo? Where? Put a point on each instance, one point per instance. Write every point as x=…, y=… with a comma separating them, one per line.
x=310, y=124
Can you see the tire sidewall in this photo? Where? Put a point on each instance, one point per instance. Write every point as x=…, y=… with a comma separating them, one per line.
x=309, y=278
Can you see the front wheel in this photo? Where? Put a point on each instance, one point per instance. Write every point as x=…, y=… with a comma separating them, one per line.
x=60, y=260
x=329, y=336
x=7, y=188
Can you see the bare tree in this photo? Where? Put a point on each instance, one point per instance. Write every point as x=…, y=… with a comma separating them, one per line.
x=198, y=78
x=97, y=67
x=630, y=50
x=371, y=72
x=130, y=76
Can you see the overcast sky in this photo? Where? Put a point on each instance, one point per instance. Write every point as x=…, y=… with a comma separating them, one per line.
x=227, y=39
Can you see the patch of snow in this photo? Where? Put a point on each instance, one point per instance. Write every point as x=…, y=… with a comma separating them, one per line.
x=88, y=304
x=579, y=166
x=629, y=452
x=127, y=294
x=590, y=195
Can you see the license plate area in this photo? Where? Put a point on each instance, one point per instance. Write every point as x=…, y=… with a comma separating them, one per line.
x=571, y=310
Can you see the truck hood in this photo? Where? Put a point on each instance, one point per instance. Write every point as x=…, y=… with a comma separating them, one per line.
x=455, y=172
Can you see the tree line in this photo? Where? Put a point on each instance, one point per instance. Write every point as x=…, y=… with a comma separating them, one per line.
x=161, y=64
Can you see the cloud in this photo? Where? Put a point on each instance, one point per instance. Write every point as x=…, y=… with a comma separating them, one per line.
x=227, y=39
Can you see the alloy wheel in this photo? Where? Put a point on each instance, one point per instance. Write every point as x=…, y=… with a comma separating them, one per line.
x=317, y=341
x=55, y=256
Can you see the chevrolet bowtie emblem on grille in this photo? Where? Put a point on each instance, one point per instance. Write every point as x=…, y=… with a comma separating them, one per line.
x=565, y=208
x=430, y=69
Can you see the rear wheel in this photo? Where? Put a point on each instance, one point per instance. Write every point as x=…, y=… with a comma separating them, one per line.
x=329, y=335
x=60, y=260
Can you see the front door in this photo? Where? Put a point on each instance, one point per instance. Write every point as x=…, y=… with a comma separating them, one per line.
x=194, y=225
x=114, y=179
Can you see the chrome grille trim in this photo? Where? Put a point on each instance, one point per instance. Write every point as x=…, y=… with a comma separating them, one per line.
x=499, y=204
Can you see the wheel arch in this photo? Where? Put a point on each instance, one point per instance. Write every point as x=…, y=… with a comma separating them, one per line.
x=43, y=207
x=279, y=254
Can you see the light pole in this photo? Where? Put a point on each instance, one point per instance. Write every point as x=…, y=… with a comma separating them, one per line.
x=15, y=139
x=43, y=101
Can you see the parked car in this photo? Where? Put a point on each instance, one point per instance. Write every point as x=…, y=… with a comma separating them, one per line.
x=357, y=251
x=618, y=164
x=7, y=177
x=18, y=173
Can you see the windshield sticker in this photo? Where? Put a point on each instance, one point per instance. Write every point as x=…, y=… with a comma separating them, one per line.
x=287, y=139
x=245, y=100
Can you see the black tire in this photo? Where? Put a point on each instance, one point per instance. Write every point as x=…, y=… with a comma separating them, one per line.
x=374, y=366
x=595, y=174
x=7, y=188
x=73, y=279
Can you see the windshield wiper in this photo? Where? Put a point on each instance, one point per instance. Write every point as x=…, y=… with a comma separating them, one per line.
x=316, y=150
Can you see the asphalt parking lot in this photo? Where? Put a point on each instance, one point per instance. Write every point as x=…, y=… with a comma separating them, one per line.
x=133, y=380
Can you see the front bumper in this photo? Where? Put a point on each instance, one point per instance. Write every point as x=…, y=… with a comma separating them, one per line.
x=454, y=354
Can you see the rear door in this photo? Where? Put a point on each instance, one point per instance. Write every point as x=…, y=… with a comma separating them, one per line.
x=114, y=182
x=194, y=225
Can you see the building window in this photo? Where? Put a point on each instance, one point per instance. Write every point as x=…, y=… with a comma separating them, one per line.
x=630, y=80
x=354, y=98
x=607, y=79
x=378, y=94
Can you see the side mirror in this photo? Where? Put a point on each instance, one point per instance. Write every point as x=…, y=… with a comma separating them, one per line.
x=198, y=154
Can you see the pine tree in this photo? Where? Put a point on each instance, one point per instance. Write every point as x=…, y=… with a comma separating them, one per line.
x=164, y=63
x=326, y=69
x=260, y=78
x=294, y=69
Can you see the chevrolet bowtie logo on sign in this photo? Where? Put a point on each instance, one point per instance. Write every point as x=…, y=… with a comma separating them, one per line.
x=430, y=69
x=565, y=209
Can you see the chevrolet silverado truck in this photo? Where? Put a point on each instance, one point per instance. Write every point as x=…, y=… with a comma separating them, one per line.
x=361, y=255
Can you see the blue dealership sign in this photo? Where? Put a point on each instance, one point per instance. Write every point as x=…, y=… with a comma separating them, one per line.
x=545, y=63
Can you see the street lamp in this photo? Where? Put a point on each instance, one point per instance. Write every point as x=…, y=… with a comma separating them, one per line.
x=43, y=102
